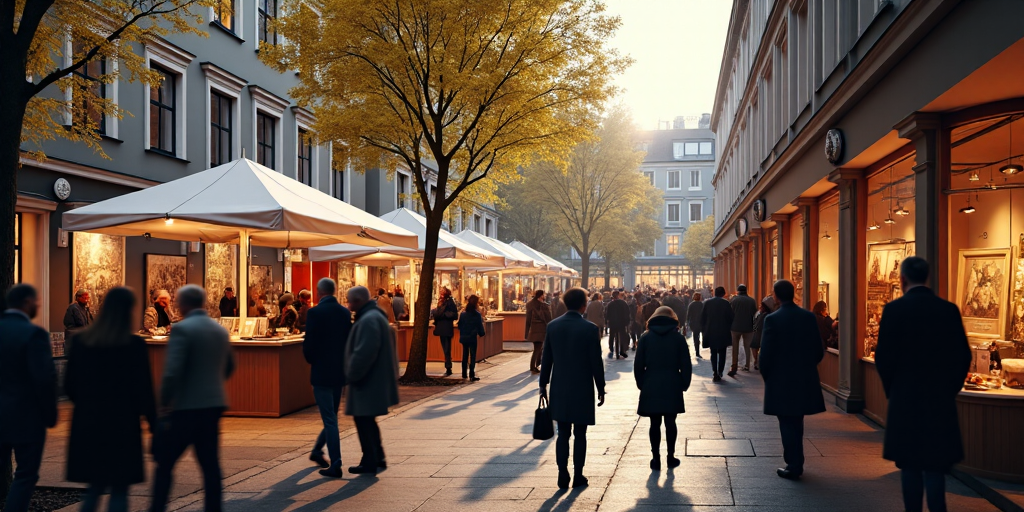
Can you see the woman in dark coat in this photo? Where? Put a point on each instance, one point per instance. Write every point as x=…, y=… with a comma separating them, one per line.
x=471, y=325
x=766, y=308
x=288, y=315
x=663, y=371
x=828, y=333
x=108, y=380
x=444, y=316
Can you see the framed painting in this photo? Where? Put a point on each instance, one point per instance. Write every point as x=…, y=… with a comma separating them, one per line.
x=1017, y=309
x=164, y=272
x=97, y=265
x=983, y=293
x=823, y=292
x=797, y=277
x=220, y=272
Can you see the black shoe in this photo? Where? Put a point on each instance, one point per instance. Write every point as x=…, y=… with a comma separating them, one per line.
x=382, y=465
x=788, y=474
x=732, y=373
x=746, y=368
x=332, y=472
x=625, y=355
x=534, y=370
x=563, y=478
x=474, y=379
x=673, y=462
x=699, y=356
x=362, y=470
x=656, y=463
x=464, y=376
x=611, y=355
x=757, y=368
x=717, y=378
x=319, y=459
x=447, y=373
x=580, y=481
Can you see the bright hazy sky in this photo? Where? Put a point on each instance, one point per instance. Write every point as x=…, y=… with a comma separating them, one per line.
x=677, y=46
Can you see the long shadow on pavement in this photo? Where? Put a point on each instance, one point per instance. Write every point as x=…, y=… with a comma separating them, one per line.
x=454, y=403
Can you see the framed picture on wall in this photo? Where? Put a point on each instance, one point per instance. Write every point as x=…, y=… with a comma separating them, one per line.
x=97, y=265
x=983, y=291
x=823, y=292
x=219, y=273
x=164, y=272
x=797, y=277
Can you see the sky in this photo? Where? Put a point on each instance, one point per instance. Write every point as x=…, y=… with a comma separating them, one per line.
x=677, y=47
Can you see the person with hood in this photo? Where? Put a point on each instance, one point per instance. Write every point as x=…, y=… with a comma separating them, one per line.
x=716, y=324
x=663, y=371
x=693, y=314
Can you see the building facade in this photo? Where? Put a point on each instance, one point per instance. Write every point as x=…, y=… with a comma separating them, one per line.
x=855, y=133
x=680, y=163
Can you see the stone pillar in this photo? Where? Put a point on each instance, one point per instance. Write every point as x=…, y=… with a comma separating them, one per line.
x=782, y=232
x=755, y=287
x=809, y=222
x=852, y=292
x=932, y=147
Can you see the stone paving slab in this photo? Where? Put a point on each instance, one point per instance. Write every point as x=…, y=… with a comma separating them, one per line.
x=719, y=448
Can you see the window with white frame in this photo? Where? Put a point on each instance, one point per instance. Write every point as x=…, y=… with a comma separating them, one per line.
x=165, y=119
x=162, y=112
x=88, y=109
x=672, y=212
x=674, y=180
x=223, y=91
x=266, y=139
x=650, y=177
x=696, y=211
x=706, y=148
x=265, y=19
x=268, y=118
x=695, y=179
x=304, y=157
x=487, y=228
x=225, y=13
x=476, y=223
x=672, y=244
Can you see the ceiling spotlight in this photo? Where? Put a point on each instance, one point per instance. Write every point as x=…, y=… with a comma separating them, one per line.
x=901, y=211
x=826, y=236
x=168, y=220
x=889, y=220
x=874, y=227
x=974, y=176
x=1011, y=169
x=967, y=209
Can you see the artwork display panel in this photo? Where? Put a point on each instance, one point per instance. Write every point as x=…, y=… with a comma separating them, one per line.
x=97, y=265
x=1017, y=304
x=165, y=272
x=883, y=286
x=262, y=292
x=983, y=292
x=797, y=276
x=221, y=271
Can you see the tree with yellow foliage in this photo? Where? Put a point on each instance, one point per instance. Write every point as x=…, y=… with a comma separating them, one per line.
x=475, y=87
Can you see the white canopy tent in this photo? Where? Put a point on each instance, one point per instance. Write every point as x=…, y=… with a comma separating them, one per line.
x=552, y=263
x=239, y=202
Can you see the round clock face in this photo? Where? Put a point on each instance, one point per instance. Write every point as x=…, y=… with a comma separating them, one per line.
x=759, y=210
x=62, y=188
x=834, y=145
x=741, y=228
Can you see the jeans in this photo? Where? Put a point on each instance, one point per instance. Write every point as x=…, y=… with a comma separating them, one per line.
x=469, y=358
x=446, y=346
x=369, y=441
x=671, y=433
x=718, y=360
x=328, y=400
x=118, y=498
x=792, y=430
x=199, y=428
x=930, y=483
x=737, y=338
x=619, y=340
x=538, y=355
x=29, y=457
x=579, y=447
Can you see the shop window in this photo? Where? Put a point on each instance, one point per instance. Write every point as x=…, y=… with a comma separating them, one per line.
x=672, y=243
x=827, y=288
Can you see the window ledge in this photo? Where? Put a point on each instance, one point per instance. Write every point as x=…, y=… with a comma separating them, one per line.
x=226, y=30
x=167, y=155
x=111, y=139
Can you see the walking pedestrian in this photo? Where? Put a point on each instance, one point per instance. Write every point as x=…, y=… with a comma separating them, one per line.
x=28, y=395
x=766, y=308
x=386, y=305
x=618, y=319
x=371, y=367
x=648, y=309
x=398, y=305
x=199, y=361
x=327, y=328
x=557, y=306
x=228, y=303
x=573, y=366
x=693, y=315
x=633, y=304
x=825, y=323
x=538, y=314
x=674, y=301
x=444, y=325
x=790, y=352
x=595, y=315
x=744, y=307
x=471, y=325
x=109, y=381
x=662, y=370
x=922, y=431
x=687, y=300
x=78, y=315
x=716, y=324
x=159, y=317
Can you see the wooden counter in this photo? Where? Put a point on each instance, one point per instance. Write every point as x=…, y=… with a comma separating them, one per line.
x=828, y=371
x=990, y=424
x=515, y=325
x=271, y=379
x=876, y=405
x=487, y=346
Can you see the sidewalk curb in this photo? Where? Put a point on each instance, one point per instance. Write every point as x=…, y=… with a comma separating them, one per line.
x=991, y=495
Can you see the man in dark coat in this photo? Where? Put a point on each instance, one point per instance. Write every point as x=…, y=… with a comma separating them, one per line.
x=572, y=352
x=371, y=367
x=687, y=299
x=444, y=316
x=634, y=328
x=78, y=315
x=228, y=303
x=538, y=314
x=616, y=315
x=744, y=307
x=557, y=306
x=28, y=397
x=327, y=327
x=790, y=352
x=922, y=433
x=716, y=322
x=675, y=302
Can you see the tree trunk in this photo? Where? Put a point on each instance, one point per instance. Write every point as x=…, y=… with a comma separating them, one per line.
x=607, y=273
x=416, y=369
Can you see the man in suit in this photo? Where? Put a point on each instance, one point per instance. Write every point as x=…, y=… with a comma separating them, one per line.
x=616, y=315
x=922, y=431
x=28, y=396
x=199, y=361
x=78, y=315
x=744, y=307
x=371, y=368
x=573, y=366
x=327, y=327
x=716, y=323
x=790, y=352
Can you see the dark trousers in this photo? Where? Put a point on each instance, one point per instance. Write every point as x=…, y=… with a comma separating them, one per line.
x=328, y=400
x=634, y=332
x=199, y=428
x=538, y=354
x=792, y=430
x=671, y=434
x=118, y=498
x=619, y=340
x=29, y=457
x=718, y=360
x=469, y=359
x=696, y=339
x=579, y=446
x=932, y=484
x=369, y=441
x=446, y=346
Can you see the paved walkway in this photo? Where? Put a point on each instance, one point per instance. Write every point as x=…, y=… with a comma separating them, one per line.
x=471, y=447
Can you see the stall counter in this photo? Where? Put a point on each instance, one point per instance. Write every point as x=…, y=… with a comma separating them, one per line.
x=515, y=325
x=271, y=378
x=487, y=346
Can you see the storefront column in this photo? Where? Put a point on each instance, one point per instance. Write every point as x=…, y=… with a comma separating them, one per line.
x=852, y=255
x=809, y=223
x=754, y=286
x=781, y=230
x=932, y=146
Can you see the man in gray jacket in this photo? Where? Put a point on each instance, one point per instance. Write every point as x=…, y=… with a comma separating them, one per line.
x=744, y=307
x=371, y=369
x=199, y=361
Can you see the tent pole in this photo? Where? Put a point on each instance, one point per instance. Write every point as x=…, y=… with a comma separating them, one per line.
x=243, y=277
x=501, y=291
x=413, y=292
x=462, y=286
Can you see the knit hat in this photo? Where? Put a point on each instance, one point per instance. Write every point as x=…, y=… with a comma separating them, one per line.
x=769, y=302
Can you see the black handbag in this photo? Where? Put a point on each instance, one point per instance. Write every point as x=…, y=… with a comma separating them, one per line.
x=543, y=425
